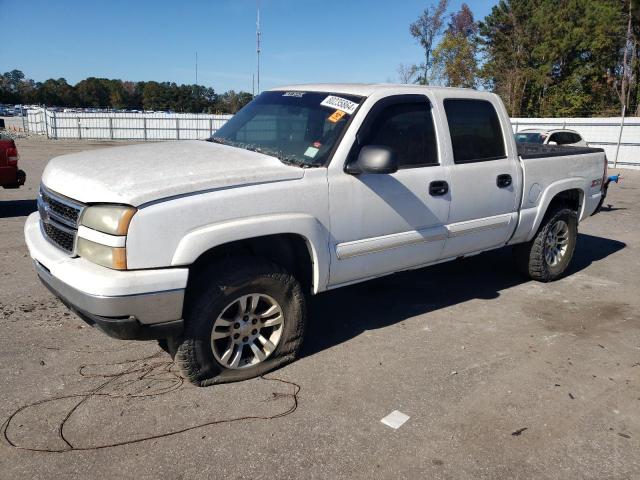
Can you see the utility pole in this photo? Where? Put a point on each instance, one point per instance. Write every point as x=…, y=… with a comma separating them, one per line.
x=258, y=46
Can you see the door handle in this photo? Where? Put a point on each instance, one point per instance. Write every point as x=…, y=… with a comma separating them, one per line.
x=504, y=180
x=438, y=188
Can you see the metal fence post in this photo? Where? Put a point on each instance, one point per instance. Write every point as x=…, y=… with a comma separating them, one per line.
x=54, y=126
x=177, y=128
x=46, y=125
x=79, y=129
x=111, y=128
x=144, y=127
x=615, y=160
x=210, y=126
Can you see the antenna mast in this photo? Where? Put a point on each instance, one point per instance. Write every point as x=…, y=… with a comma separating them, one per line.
x=258, y=46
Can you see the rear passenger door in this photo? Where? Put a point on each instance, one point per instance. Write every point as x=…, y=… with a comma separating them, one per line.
x=484, y=180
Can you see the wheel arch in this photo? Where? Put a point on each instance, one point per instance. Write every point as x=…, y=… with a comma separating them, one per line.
x=298, y=243
x=569, y=192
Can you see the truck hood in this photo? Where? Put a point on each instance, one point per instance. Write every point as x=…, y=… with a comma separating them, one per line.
x=138, y=174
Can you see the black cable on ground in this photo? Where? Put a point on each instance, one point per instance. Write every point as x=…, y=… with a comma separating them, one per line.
x=146, y=371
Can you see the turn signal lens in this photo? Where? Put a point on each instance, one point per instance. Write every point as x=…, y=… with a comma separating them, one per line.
x=111, y=257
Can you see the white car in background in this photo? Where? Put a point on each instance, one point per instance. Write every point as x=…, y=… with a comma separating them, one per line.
x=569, y=138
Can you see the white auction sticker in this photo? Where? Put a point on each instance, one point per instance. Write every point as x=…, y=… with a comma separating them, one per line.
x=340, y=103
x=311, y=152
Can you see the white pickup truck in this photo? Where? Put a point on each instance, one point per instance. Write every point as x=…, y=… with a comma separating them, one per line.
x=211, y=246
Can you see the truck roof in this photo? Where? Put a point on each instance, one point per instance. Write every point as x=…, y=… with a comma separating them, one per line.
x=363, y=89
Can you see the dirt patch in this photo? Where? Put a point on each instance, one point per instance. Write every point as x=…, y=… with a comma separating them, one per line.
x=583, y=319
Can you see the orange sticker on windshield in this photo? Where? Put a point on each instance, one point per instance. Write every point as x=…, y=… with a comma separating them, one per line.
x=337, y=116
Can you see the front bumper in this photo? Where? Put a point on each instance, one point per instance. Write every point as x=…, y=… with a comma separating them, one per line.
x=119, y=317
x=137, y=305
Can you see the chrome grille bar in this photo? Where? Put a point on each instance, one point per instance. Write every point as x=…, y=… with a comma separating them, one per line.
x=59, y=219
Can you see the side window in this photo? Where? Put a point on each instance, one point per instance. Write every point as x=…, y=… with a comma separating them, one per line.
x=555, y=138
x=476, y=134
x=565, y=138
x=408, y=129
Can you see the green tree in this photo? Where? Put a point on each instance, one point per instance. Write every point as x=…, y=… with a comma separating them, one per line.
x=506, y=38
x=549, y=58
x=10, y=86
x=231, y=101
x=118, y=94
x=56, y=93
x=455, y=58
x=94, y=92
x=425, y=30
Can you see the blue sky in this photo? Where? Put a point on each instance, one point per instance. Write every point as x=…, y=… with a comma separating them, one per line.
x=303, y=40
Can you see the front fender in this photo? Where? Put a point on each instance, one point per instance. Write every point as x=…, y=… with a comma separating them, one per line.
x=199, y=241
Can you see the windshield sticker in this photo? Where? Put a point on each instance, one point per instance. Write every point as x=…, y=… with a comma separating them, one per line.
x=293, y=94
x=343, y=104
x=336, y=116
x=311, y=152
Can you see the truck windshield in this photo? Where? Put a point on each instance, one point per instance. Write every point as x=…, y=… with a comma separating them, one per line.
x=297, y=127
x=530, y=137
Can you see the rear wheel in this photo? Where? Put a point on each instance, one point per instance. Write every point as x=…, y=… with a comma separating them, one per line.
x=547, y=256
x=245, y=317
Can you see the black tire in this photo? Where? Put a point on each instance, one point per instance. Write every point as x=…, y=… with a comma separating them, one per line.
x=214, y=289
x=530, y=257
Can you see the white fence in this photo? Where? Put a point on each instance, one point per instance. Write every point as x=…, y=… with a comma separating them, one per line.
x=123, y=126
x=599, y=132
x=605, y=133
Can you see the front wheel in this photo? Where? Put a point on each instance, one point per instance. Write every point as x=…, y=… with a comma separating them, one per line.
x=547, y=256
x=245, y=318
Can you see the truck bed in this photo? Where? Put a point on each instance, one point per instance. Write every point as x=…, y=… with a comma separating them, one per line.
x=534, y=150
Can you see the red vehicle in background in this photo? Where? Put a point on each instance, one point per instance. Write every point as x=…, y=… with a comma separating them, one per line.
x=10, y=175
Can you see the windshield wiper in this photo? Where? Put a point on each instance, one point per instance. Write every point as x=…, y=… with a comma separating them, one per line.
x=286, y=159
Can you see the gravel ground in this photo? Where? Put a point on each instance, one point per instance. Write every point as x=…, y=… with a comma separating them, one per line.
x=501, y=377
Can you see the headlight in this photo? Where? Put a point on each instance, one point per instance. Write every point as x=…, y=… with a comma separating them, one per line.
x=101, y=235
x=111, y=219
x=111, y=257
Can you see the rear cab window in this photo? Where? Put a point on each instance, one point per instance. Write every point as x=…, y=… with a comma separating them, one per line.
x=476, y=133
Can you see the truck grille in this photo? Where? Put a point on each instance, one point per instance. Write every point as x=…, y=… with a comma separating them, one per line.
x=60, y=209
x=59, y=219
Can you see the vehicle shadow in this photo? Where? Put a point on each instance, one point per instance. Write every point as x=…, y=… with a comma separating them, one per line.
x=611, y=208
x=17, y=208
x=337, y=316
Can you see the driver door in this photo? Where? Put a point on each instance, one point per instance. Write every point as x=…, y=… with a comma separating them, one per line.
x=382, y=223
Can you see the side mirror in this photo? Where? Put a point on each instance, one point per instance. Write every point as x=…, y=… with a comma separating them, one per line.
x=374, y=159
